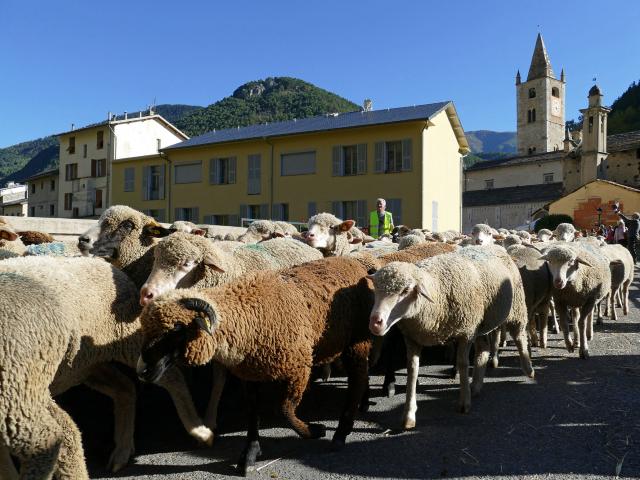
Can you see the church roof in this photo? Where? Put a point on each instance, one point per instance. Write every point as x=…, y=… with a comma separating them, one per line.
x=623, y=141
x=540, y=63
x=517, y=160
x=545, y=192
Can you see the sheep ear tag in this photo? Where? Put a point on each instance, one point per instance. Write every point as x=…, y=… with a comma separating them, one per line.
x=203, y=322
x=156, y=231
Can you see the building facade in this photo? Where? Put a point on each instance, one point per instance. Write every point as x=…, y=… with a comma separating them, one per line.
x=338, y=163
x=86, y=156
x=13, y=200
x=43, y=194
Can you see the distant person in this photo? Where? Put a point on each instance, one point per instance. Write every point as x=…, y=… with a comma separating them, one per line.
x=633, y=229
x=619, y=233
x=380, y=221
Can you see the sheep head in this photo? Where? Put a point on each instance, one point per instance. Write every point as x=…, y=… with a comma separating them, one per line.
x=482, y=234
x=398, y=287
x=563, y=264
x=331, y=235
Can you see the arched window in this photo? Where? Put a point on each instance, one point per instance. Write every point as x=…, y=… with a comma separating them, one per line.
x=532, y=93
x=528, y=116
x=555, y=92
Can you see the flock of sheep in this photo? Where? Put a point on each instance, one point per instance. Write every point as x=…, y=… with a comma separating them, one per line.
x=269, y=306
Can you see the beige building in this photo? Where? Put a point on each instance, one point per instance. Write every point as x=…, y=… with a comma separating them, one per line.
x=13, y=200
x=87, y=154
x=43, y=194
x=507, y=192
x=337, y=163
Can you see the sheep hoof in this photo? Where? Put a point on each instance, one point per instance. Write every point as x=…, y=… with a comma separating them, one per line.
x=389, y=389
x=119, y=458
x=326, y=372
x=453, y=373
x=337, y=444
x=464, y=408
x=409, y=424
x=494, y=362
x=599, y=321
x=247, y=462
x=584, y=354
x=317, y=430
x=202, y=434
x=475, y=390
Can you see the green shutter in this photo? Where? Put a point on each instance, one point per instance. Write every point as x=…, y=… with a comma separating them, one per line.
x=406, y=155
x=379, y=154
x=337, y=209
x=362, y=213
x=264, y=211
x=213, y=171
x=362, y=158
x=232, y=170
x=146, y=173
x=244, y=212
x=336, y=169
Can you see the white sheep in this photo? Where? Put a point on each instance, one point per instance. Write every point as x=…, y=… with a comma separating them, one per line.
x=10, y=243
x=565, y=232
x=482, y=234
x=622, y=269
x=544, y=235
x=463, y=295
x=332, y=236
x=410, y=240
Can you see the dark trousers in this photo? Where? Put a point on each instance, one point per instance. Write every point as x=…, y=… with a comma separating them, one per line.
x=631, y=245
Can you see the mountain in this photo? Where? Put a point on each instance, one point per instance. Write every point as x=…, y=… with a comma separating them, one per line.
x=625, y=111
x=269, y=100
x=486, y=141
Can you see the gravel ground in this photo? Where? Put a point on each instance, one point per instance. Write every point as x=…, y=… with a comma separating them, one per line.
x=578, y=419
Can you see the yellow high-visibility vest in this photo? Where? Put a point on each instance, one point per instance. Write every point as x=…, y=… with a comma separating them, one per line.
x=374, y=227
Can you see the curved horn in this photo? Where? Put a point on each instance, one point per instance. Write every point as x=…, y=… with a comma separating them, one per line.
x=206, y=317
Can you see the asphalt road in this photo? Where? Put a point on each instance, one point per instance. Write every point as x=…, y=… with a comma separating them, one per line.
x=578, y=419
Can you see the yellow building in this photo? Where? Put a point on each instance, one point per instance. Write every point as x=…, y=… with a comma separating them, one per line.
x=582, y=204
x=340, y=163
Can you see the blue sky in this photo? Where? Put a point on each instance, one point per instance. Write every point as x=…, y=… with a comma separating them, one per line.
x=70, y=61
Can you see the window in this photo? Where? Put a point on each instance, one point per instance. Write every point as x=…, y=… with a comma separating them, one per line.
x=52, y=210
x=254, y=175
x=394, y=206
x=392, y=157
x=222, y=171
x=590, y=124
x=255, y=212
x=532, y=150
x=281, y=211
x=53, y=185
x=547, y=178
x=555, y=92
x=531, y=115
x=303, y=163
x=352, y=210
x=84, y=151
x=98, y=167
x=42, y=185
x=75, y=212
x=100, y=140
x=129, y=179
x=72, y=145
x=33, y=188
x=488, y=184
x=188, y=173
x=98, y=199
x=68, y=198
x=71, y=171
x=153, y=182
x=349, y=160
x=189, y=214
x=215, y=219
x=156, y=213
x=532, y=93
x=32, y=211
x=312, y=209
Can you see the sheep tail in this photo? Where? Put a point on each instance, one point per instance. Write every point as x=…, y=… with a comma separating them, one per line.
x=206, y=317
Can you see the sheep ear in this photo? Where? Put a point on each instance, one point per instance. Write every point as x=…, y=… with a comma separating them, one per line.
x=215, y=262
x=355, y=240
x=198, y=231
x=345, y=226
x=157, y=231
x=421, y=290
x=368, y=239
x=498, y=237
x=7, y=234
x=583, y=262
x=529, y=245
x=278, y=235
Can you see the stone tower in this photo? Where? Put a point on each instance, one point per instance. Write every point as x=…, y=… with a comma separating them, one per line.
x=540, y=105
x=594, y=137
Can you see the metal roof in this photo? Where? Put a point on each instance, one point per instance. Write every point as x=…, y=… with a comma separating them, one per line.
x=521, y=194
x=320, y=123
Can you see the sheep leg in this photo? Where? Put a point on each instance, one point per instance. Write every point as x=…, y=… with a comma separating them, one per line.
x=585, y=311
x=294, y=391
x=533, y=330
x=519, y=335
x=464, y=346
x=173, y=382
x=109, y=381
x=598, y=309
x=357, y=365
x=544, y=325
x=625, y=297
x=70, y=464
x=413, y=367
x=575, y=315
x=552, y=310
x=589, y=327
x=219, y=379
x=390, y=341
x=494, y=339
x=480, y=367
x=503, y=336
x=252, y=450
x=7, y=468
x=606, y=304
x=563, y=314
x=614, y=315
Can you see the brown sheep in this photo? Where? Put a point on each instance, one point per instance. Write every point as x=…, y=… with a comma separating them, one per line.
x=269, y=326
x=32, y=237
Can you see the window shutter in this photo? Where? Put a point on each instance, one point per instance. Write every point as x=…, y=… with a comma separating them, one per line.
x=195, y=215
x=232, y=170
x=213, y=171
x=161, y=183
x=362, y=213
x=146, y=172
x=394, y=206
x=336, y=170
x=362, y=158
x=338, y=211
x=264, y=211
x=254, y=175
x=93, y=168
x=278, y=211
x=234, y=220
x=312, y=209
x=379, y=157
x=244, y=212
x=406, y=155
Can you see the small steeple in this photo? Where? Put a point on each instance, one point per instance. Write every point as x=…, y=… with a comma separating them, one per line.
x=540, y=64
x=518, y=79
x=595, y=97
x=562, y=75
x=567, y=140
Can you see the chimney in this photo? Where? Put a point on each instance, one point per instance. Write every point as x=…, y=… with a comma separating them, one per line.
x=125, y=115
x=73, y=125
x=367, y=105
x=108, y=116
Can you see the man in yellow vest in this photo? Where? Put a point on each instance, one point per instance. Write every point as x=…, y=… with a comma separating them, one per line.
x=380, y=221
